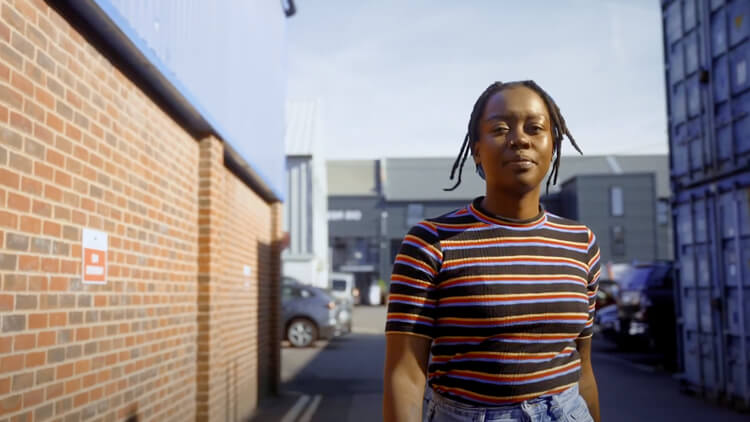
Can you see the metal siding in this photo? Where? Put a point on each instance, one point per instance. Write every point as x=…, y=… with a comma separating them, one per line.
x=234, y=68
x=707, y=53
x=369, y=226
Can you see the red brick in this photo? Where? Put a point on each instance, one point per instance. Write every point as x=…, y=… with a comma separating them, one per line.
x=52, y=229
x=9, y=178
x=55, y=158
x=24, y=342
x=68, y=266
x=21, y=122
x=38, y=283
x=19, y=202
x=4, y=386
x=10, y=404
x=59, y=284
x=6, y=303
x=42, y=208
x=52, y=193
x=80, y=399
x=35, y=359
x=100, y=300
x=55, y=123
x=22, y=84
x=83, y=334
x=46, y=338
x=44, y=171
x=64, y=371
x=37, y=321
x=32, y=398
x=72, y=386
x=45, y=98
x=55, y=390
x=31, y=186
x=28, y=263
x=31, y=225
x=83, y=366
x=8, y=219
x=50, y=265
x=6, y=345
x=58, y=319
x=11, y=364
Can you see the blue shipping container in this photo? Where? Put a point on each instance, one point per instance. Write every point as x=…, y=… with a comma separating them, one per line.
x=713, y=249
x=707, y=55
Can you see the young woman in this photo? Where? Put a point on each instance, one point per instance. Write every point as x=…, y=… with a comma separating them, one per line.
x=493, y=304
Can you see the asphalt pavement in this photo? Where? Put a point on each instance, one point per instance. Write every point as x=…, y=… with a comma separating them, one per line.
x=341, y=380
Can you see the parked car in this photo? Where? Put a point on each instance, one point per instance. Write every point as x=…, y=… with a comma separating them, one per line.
x=309, y=313
x=342, y=291
x=605, y=318
x=646, y=311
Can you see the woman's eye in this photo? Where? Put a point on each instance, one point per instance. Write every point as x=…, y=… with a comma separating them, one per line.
x=535, y=129
x=500, y=130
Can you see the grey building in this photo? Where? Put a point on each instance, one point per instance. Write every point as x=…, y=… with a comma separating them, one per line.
x=373, y=203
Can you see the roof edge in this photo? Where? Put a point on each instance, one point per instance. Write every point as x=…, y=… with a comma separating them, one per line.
x=108, y=32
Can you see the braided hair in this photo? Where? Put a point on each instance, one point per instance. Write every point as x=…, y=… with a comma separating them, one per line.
x=559, y=128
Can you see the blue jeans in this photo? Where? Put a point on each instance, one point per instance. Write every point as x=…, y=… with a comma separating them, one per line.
x=567, y=406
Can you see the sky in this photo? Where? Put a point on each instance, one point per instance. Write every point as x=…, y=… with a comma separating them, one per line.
x=398, y=78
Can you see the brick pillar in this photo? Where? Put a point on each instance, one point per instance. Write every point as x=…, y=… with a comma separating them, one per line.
x=275, y=296
x=211, y=215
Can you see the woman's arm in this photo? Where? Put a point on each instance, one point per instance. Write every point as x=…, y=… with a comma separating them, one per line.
x=587, y=383
x=405, y=374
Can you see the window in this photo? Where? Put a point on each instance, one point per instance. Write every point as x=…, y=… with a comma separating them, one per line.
x=662, y=212
x=618, y=240
x=616, y=201
x=414, y=214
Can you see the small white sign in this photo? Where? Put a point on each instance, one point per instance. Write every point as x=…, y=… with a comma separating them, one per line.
x=247, y=271
x=94, y=245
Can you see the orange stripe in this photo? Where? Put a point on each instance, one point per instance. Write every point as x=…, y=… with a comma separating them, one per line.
x=510, y=298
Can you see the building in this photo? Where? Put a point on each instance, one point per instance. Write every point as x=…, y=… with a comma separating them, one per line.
x=306, y=256
x=373, y=203
x=140, y=214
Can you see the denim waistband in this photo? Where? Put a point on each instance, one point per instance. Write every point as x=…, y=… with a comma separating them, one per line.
x=540, y=404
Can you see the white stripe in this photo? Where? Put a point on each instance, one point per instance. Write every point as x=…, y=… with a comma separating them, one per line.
x=293, y=413
x=307, y=416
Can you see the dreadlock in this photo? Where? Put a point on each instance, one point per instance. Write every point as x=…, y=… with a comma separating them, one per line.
x=559, y=129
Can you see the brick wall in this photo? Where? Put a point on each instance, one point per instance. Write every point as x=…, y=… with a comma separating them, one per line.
x=178, y=332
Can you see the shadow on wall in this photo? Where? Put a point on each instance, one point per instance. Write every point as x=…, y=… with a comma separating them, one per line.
x=268, y=317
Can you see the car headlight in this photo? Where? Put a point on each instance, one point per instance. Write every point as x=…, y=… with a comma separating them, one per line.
x=630, y=298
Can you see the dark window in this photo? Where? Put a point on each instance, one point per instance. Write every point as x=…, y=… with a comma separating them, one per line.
x=618, y=240
x=338, y=285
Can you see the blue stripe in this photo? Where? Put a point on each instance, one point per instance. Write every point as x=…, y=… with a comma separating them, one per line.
x=518, y=229
x=423, y=249
x=418, y=305
x=509, y=264
x=512, y=245
x=410, y=285
x=408, y=321
x=549, y=377
x=502, y=340
x=514, y=302
x=511, y=324
x=512, y=282
x=416, y=267
x=506, y=360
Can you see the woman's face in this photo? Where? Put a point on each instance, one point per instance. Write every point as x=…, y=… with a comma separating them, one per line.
x=515, y=140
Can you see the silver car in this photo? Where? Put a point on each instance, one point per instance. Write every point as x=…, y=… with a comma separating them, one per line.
x=309, y=314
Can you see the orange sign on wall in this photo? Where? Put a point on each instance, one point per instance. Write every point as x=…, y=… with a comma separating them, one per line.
x=94, y=257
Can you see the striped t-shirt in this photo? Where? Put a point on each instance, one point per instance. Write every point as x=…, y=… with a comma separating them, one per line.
x=502, y=300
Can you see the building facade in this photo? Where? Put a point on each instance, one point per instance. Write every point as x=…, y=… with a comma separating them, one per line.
x=305, y=211
x=373, y=203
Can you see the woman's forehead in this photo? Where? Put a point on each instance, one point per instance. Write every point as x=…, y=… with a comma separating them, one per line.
x=515, y=101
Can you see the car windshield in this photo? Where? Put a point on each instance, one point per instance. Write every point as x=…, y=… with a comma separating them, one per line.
x=636, y=278
x=339, y=285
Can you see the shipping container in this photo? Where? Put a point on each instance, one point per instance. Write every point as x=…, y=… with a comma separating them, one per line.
x=713, y=251
x=707, y=56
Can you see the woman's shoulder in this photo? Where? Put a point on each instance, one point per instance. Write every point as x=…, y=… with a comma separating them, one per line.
x=567, y=223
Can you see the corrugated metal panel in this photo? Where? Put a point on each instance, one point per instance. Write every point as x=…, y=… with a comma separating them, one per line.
x=303, y=128
x=229, y=54
x=707, y=52
x=713, y=248
x=298, y=208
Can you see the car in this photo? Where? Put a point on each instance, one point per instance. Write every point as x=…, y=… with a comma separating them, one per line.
x=605, y=318
x=342, y=291
x=309, y=314
x=646, y=309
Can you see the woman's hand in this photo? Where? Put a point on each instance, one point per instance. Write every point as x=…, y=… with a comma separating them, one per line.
x=405, y=375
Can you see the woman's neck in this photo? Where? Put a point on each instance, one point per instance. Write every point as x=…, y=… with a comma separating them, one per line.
x=516, y=207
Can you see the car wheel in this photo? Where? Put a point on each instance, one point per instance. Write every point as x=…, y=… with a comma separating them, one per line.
x=301, y=332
